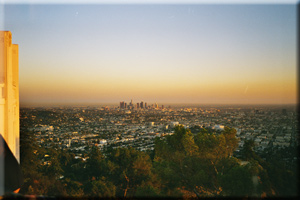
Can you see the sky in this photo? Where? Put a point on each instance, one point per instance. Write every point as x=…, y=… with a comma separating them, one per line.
x=164, y=53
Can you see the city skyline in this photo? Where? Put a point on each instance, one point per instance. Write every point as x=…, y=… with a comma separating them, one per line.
x=205, y=54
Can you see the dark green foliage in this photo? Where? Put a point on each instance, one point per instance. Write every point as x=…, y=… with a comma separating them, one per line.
x=247, y=151
x=146, y=191
x=73, y=188
x=100, y=188
x=52, y=166
x=31, y=156
x=128, y=169
x=237, y=182
x=181, y=165
x=95, y=164
x=286, y=181
x=191, y=161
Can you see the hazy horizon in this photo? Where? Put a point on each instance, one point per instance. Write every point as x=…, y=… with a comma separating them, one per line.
x=166, y=104
x=203, y=54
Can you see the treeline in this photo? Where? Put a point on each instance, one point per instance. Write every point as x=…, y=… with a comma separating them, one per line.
x=181, y=165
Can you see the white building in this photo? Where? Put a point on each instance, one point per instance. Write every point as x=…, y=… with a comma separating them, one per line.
x=173, y=124
x=219, y=127
x=103, y=141
x=9, y=99
x=9, y=93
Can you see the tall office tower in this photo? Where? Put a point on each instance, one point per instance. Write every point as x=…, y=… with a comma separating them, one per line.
x=9, y=93
x=125, y=105
x=142, y=104
x=131, y=104
x=137, y=105
x=156, y=105
x=146, y=105
x=122, y=104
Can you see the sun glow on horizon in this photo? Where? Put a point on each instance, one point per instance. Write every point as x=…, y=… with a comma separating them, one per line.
x=164, y=53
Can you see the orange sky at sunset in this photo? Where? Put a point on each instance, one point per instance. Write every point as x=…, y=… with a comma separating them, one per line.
x=205, y=54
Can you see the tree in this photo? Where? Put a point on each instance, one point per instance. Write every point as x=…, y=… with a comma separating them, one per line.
x=247, y=151
x=193, y=163
x=30, y=156
x=95, y=165
x=73, y=188
x=231, y=140
x=128, y=169
x=286, y=180
x=237, y=182
x=147, y=191
x=100, y=188
x=53, y=167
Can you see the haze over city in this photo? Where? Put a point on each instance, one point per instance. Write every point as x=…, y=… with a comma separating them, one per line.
x=146, y=99
x=89, y=54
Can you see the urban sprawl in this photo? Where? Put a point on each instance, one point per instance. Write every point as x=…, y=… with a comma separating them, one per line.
x=137, y=125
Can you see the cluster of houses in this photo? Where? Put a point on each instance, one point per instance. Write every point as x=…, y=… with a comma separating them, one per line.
x=80, y=128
